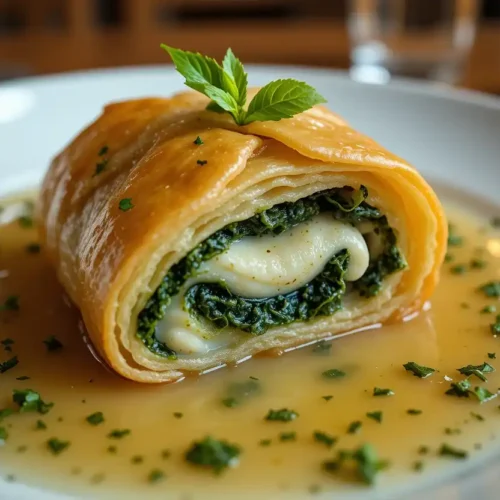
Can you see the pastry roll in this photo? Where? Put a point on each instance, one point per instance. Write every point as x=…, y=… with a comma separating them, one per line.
x=189, y=242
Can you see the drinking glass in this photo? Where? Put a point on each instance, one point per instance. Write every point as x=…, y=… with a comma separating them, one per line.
x=412, y=38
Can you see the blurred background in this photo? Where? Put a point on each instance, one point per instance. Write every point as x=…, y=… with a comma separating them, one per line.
x=454, y=41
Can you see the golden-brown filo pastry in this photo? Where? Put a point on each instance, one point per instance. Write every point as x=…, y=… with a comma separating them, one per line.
x=188, y=242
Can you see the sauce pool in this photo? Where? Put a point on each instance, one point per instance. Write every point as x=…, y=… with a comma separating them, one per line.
x=165, y=420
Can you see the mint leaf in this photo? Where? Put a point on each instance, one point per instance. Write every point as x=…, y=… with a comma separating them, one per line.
x=282, y=99
x=224, y=100
x=197, y=69
x=234, y=69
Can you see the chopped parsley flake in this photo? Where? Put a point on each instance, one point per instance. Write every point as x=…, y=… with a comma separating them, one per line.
x=56, y=446
x=9, y=364
x=156, y=475
x=52, y=343
x=3, y=434
x=491, y=289
x=125, y=204
x=418, y=370
x=492, y=355
x=483, y=395
x=449, y=451
x=283, y=415
x=40, y=425
x=25, y=221
x=458, y=269
x=118, y=433
x=328, y=397
x=264, y=442
x=478, y=264
x=198, y=141
x=322, y=437
x=6, y=412
x=201, y=162
x=178, y=414
x=451, y=432
x=96, y=418
x=453, y=239
x=478, y=370
x=423, y=450
x=495, y=327
x=165, y=454
x=354, y=427
x=413, y=411
x=23, y=377
x=375, y=415
x=238, y=392
x=488, y=309
x=367, y=462
x=477, y=416
x=333, y=373
x=418, y=466
x=377, y=391
x=460, y=389
x=11, y=304
x=288, y=436
x=112, y=449
x=7, y=344
x=213, y=453
x=137, y=459
x=29, y=400
x=322, y=347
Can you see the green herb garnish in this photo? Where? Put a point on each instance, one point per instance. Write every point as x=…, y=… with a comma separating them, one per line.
x=3, y=434
x=5, y=412
x=322, y=347
x=451, y=432
x=454, y=240
x=488, y=309
x=477, y=416
x=418, y=370
x=238, y=392
x=478, y=370
x=418, y=466
x=7, y=344
x=288, y=436
x=460, y=389
x=95, y=418
x=201, y=162
x=29, y=400
x=495, y=327
x=56, y=446
x=137, y=459
x=333, y=373
x=178, y=414
x=282, y=415
x=423, y=450
x=264, y=442
x=40, y=425
x=11, y=304
x=227, y=87
x=213, y=453
x=9, y=364
x=491, y=289
x=478, y=264
x=413, y=411
x=125, y=204
x=25, y=221
x=483, y=395
x=327, y=398
x=377, y=391
x=322, y=437
x=23, y=377
x=449, y=451
x=354, y=427
x=375, y=415
x=492, y=355
x=458, y=269
x=156, y=475
x=52, y=343
x=367, y=462
x=198, y=141
x=119, y=433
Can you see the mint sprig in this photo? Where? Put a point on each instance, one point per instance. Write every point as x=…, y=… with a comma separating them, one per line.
x=226, y=86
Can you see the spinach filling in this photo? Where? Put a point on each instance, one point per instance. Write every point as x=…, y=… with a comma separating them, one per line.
x=320, y=297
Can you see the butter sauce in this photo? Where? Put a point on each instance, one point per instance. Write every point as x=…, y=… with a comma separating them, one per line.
x=165, y=420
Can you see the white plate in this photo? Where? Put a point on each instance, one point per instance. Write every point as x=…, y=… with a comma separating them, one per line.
x=451, y=136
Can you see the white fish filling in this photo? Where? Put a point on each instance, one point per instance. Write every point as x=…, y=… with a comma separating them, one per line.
x=259, y=267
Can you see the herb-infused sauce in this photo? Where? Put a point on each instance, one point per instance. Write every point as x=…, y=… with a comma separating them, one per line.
x=165, y=420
